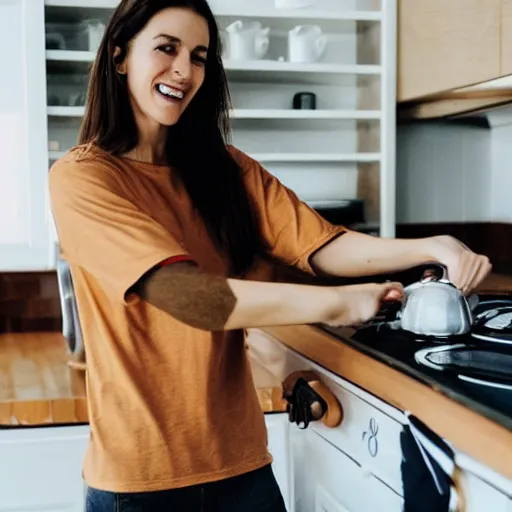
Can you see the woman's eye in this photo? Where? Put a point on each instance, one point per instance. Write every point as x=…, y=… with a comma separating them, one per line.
x=199, y=60
x=167, y=48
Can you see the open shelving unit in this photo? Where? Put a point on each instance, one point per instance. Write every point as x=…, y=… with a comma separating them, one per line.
x=342, y=150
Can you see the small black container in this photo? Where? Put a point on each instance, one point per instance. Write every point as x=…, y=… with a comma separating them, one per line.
x=304, y=101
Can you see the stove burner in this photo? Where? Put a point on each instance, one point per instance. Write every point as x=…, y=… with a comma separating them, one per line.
x=489, y=366
x=493, y=322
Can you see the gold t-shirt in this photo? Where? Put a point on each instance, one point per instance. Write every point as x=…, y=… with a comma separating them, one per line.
x=169, y=405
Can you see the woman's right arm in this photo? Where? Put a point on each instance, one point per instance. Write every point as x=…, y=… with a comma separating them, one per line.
x=215, y=303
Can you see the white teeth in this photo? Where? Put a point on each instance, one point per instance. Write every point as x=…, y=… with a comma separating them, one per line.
x=169, y=91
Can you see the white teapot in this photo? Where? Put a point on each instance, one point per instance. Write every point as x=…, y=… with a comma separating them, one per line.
x=306, y=43
x=247, y=40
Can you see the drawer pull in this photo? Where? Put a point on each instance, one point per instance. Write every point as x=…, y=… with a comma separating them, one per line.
x=309, y=399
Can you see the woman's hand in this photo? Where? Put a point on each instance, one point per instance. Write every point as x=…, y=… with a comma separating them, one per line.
x=466, y=269
x=361, y=302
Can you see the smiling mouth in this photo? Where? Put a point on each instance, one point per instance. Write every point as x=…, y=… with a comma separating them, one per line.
x=170, y=93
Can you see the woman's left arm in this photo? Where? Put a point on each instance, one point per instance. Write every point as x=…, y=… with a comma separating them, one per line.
x=300, y=237
x=357, y=254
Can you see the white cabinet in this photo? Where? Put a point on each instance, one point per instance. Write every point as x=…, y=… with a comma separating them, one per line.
x=336, y=483
x=24, y=240
x=41, y=469
x=480, y=495
x=343, y=469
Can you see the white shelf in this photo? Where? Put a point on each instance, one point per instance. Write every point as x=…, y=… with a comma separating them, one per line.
x=64, y=111
x=250, y=12
x=289, y=157
x=91, y=4
x=233, y=65
x=319, y=157
x=70, y=56
x=55, y=155
x=315, y=67
x=317, y=14
x=304, y=114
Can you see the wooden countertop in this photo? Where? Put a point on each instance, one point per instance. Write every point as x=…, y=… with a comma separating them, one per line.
x=37, y=387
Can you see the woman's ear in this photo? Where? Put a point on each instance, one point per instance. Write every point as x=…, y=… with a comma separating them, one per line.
x=120, y=66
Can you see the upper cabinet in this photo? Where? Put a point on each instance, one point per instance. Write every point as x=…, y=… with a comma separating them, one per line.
x=446, y=45
x=24, y=240
x=506, y=37
x=453, y=56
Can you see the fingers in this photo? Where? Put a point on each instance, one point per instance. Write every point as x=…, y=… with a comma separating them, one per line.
x=392, y=292
x=475, y=270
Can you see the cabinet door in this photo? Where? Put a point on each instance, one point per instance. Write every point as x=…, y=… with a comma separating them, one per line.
x=24, y=241
x=506, y=37
x=337, y=483
x=41, y=469
x=444, y=45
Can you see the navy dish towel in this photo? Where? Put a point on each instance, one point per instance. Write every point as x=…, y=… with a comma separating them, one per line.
x=428, y=468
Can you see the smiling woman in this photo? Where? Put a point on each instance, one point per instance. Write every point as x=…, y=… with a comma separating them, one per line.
x=161, y=222
x=149, y=49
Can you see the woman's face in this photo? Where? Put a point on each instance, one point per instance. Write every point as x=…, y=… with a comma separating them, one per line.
x=165, y=66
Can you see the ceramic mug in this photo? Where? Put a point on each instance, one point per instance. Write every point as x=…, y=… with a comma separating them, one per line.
x=247, y=40
x=306, y=43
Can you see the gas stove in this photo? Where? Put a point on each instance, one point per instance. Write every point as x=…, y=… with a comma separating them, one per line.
x=475, y=368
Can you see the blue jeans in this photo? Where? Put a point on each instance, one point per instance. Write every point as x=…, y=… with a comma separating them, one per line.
x=256, y=491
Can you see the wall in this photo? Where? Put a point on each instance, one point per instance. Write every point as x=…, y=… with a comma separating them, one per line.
x=501, y=181
x=455, y=171
x=29, y=302
x=443, y=173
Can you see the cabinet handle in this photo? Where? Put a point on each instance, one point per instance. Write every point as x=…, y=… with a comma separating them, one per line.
x=309, y=399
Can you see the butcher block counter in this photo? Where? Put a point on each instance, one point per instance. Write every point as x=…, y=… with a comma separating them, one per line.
x=37, y=386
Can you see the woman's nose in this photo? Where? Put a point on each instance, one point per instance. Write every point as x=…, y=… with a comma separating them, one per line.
x=181, y=65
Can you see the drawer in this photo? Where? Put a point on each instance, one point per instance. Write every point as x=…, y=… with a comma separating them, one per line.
x=336, y=483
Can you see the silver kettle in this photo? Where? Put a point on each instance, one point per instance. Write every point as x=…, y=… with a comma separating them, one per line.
x=434, y=306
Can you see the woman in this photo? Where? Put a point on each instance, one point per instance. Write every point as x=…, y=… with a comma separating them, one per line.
x=160, y=221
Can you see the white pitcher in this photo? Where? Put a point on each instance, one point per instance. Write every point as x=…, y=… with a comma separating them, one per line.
x=247, y=40
x=306, y=43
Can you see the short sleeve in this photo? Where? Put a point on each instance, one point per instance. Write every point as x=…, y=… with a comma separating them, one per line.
x=102, y=231
x=292, y=230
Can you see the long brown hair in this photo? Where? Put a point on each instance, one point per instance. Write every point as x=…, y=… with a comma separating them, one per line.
x=196, y=145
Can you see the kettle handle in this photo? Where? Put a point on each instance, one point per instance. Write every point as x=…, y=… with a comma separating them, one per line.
x=434, y=272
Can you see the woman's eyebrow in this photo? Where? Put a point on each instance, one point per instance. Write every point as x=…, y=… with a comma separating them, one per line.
x=174, y=39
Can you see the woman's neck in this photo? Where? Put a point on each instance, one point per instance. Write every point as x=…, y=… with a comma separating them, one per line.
x=148, y=153
x=151, y=147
